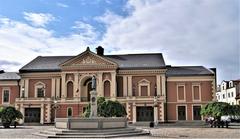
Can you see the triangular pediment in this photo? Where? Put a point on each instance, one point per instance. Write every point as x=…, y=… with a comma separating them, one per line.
x=88, y=59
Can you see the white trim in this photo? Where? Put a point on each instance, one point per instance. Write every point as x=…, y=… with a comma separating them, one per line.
x=141, y=83
x=37, y=86
x=192, y=112
x=9, y=96
x=199, y=90
x=184, y=91
x=186, y=113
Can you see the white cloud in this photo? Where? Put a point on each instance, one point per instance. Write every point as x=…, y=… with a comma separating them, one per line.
x=38, y=19
x=187, y=32
x=62, y=5
x=20, y=43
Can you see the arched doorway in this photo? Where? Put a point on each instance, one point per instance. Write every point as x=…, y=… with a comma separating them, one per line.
x=86, y=87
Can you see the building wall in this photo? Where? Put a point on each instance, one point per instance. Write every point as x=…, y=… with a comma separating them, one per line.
x=48, y=85
x=188, y=101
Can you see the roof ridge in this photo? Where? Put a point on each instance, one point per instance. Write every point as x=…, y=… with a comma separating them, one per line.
x=134, y=54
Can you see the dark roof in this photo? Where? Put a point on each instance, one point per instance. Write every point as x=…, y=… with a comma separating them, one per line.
x=188, y=71
x=131, y=61
x=138, y=61
x=9, y=76
x=46, y=63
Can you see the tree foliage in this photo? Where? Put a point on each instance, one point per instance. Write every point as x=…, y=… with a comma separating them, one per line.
x=218, y=109
x=9, y=114
x=107, y=108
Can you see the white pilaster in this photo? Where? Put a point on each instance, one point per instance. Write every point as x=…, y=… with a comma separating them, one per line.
x=53, y=91
x=58, y=87
x=26, y=87
x=158, y=77
x=163, y=85
x=129, y=85
x=21, y=121
x=125, y=86
x=75, y=86
x=100, y=84
x=48, y=113
x=113, y=85
x=134, y=113
x=64, y=91
x=162, y=112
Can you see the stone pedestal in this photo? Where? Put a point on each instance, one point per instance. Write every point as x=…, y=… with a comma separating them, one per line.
x=93, y=113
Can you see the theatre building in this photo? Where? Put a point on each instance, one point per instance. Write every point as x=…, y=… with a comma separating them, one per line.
x=59, y=86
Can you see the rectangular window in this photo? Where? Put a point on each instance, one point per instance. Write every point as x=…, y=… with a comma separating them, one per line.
x=144, y=90
x=232, y=94
x=181, y=93
x=228, y=95
x=196, y=93
x=40, y=92
x=223, y=96
x=6, y=96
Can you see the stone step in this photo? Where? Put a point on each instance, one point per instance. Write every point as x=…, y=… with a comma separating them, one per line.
x=103, y=133
x=93, y=136
x=95, y=131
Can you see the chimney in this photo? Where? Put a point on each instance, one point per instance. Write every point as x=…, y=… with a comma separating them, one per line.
x=1, y=71
x=100, y=50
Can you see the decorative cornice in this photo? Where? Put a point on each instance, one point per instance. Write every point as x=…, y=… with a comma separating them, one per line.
x=135, y=72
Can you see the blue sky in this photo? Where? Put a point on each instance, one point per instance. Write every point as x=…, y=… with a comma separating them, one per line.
x=187, y=32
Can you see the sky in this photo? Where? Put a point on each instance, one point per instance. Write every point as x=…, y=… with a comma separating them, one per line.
x=186, y=32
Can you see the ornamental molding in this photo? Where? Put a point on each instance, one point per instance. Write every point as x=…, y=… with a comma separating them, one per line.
x=136, y=72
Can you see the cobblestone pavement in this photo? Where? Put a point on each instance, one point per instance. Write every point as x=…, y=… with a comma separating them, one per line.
x=158, y=132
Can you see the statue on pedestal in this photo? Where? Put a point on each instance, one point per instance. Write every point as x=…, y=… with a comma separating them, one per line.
x=93, y=98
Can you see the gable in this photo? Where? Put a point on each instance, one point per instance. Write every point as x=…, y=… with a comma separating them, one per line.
x=87, y=60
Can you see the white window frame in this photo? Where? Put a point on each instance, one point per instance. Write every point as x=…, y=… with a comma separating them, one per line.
x=184, y=91
x=9, y=96
x=39, y=85
x=141, y=83
x=200, y=91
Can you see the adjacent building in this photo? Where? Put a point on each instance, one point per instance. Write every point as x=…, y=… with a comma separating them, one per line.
x=229, y=91
x=59, y=86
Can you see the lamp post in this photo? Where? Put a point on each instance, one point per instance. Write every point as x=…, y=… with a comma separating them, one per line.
x=23, y=92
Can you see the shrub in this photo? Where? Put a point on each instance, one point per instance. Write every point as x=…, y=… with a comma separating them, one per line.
x=107, y=108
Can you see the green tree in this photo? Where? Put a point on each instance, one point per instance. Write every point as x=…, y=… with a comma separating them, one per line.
x=10, y=114
x=218, y=109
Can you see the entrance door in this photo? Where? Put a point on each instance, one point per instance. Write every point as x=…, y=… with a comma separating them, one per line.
x=144, y=113
x=181, y=113
x=32, y=115
x=196, y=113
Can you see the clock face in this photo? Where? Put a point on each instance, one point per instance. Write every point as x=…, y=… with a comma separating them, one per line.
x=93, y=99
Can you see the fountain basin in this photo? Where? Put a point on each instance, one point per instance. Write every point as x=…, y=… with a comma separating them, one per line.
x=91, y=123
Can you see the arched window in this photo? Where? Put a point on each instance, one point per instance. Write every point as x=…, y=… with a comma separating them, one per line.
x=106, y=89
x=40, y=89
x=89, y=89
x=69, y=112
x=70, y=89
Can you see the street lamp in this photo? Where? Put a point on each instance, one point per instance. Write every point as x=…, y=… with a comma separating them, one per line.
x=23, y=92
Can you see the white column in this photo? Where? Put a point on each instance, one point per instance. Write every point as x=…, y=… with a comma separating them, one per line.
x=134, y=113
x=125, y=91
x=58, y=87
x=26, y=87
x=42, y=114
x=21, y=121
x=100, y=85
x=113, y=85
x=64, y=92
x=75, y=86
x=162, y=112
x=156, y=115
x=158, y=77
x=130, y=86
x=163, y=85
x=53, y=87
